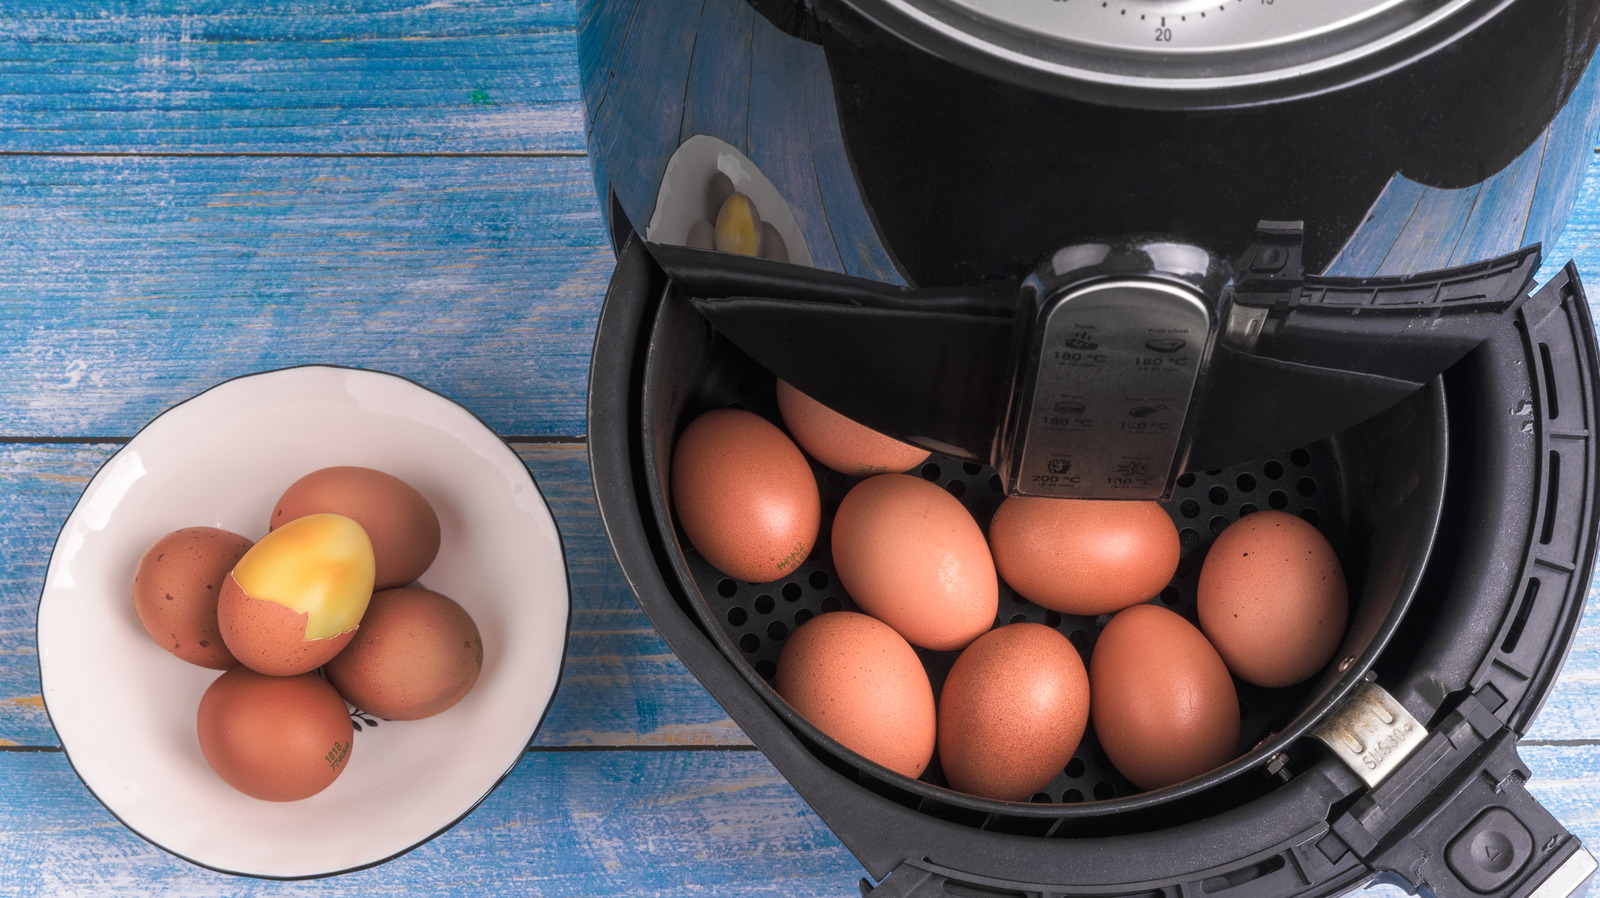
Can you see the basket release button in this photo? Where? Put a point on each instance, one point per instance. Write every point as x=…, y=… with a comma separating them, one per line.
x=1490, y=851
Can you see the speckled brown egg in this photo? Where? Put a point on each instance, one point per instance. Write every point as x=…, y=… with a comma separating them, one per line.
x=745, y=496
x=1272, y=598
x=403, y=527
x=1165, y=709
x=175, y=591
x=416, y=654
x=840, y=443
x=857, y=680
x=274, y=738
x=911, y=555
x=1084, y=556
x=772, y=246
x=1012, y=711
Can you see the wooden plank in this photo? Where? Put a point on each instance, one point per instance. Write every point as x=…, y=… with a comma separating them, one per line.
x=1498, y=218
x=861, y=251
x=1364, y=252
x=1419, y=247
x=780, y=134
x=1571, y=134
x=603, y=822
x=717, y=99
x=131, y=283
x=667, y=823
x=602, y=27
x=636, y=127
x=621, y=685
x=292, y=77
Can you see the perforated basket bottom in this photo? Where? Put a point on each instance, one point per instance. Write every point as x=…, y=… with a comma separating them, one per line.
x=757, y=618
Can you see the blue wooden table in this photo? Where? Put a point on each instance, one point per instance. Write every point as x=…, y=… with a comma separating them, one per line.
x=192, y=190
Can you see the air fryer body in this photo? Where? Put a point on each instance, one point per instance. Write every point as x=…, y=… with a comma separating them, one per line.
x=902, y=166
x=883, y=154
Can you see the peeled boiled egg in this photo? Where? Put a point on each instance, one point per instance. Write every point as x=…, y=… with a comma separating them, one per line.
x=1272, y=598
x=403, y=527
x=274, y=738
x=840, y=443
x=175, y=590
x=911, y=555
x=416, y=654
x=1012, y=712
x=1084, y=556
x=738, y=226
x=1165, y=709
x=857, y=680
x=745, y=495
x=294, y=600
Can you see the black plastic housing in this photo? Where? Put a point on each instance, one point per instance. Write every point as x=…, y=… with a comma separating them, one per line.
x=1474, y=656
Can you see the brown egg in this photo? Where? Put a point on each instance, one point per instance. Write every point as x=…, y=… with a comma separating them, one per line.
x=1165, y=709
x=911, y=556
x=1012, y=712
x=175, y=592
x=274, y=738
x=401, y=524
x=295, y=599
x=1272, y=598
x=745, y=495
x=718, y=189
x=702, y=235
x=855, y=679
x=772, y=245
x=1084, y=556
x=416, y=654
x=840, y=443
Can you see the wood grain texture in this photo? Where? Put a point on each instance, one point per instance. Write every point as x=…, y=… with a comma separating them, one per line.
x=225, y=223
x=127, y=282
x=1385, y=221
x=564, y=822
x=779, y=133
x=641, y=823
x=636, y=125
x=621, y=685
x=717, y=96
x=381, y=76
x=1577, y=127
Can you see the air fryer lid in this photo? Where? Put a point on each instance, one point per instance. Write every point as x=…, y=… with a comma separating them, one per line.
x=1471, y=660
x=1117, y=365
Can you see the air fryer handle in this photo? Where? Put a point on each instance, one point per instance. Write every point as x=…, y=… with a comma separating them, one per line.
x=1357, y=324
x=1456, y=820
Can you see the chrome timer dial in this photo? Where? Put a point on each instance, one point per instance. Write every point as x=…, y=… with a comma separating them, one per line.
x=1176, y=51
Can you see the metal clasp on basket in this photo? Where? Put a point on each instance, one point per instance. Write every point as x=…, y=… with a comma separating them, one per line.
x=1371, y=732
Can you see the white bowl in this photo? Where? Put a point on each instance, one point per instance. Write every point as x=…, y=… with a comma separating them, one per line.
x=124, y=708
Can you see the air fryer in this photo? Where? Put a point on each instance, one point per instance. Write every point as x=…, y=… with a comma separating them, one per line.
x=958, y=174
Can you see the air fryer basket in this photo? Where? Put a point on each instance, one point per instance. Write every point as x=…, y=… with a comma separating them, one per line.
x=1379, y=517
x=1377, y=491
